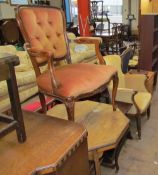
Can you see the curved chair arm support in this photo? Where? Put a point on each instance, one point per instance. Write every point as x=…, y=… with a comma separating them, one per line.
x=91, y=40
x=54, y=81
x=33, y=52
x=136, y=81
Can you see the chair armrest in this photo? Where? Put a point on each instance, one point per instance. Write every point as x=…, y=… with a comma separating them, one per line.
x=88, y=39
x=46, y=57
x=92, y=40
x=38, y=52
x=123, y=94
x=136, y=82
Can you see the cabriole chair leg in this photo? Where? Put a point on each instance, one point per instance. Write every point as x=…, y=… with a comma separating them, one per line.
x=70, y=108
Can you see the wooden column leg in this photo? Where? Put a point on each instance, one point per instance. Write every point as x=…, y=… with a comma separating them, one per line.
x=15, y=105
x=114, y=91
x=97, y=163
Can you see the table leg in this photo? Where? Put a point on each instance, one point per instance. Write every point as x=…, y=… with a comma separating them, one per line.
x=97, y=163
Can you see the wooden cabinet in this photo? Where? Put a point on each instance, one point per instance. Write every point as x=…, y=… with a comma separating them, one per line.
x=149, y=42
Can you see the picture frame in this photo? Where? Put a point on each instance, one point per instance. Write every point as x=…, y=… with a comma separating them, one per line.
x=3, y=1
x=19, y=2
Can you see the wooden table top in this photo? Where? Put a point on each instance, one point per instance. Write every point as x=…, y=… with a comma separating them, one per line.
x=105, y=127
x=48, y=141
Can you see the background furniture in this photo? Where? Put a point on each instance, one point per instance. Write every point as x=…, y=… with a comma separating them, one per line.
x=99, y=17
x=126, y=56
x=131, y=89
x=25, y=76
x=9, y=33
x=67, y=83
x=47, y=150
x=7, y=63
x=98, y=119
x=149, y=42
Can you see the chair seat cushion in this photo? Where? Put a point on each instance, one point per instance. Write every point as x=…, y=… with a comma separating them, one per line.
x=77, y=79
x=142, y=100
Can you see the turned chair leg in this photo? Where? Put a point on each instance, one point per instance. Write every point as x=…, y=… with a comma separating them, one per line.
x=138, y=120
x=114, y=91
x=148, y=112
x=70, y=108
x=43, y=102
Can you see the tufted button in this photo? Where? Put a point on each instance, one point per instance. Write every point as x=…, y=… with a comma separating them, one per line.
x=58, y=34
x=50, y=22
x=37, y=38
x=39, y=23
x=48, y=36
x=54, y=47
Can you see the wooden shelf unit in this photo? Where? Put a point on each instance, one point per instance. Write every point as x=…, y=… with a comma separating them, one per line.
x=149, y=42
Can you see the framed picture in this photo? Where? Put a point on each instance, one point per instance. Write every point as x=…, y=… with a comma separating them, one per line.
x=3, y=1
x=19, y=2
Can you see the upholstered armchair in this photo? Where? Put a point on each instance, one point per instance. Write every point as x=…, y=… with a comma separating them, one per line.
x=45, y=34
x=131, y=90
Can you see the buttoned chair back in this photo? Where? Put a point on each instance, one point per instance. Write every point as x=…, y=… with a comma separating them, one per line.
x=44, y=31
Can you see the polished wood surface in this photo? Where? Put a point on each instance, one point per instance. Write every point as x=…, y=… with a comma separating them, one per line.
x=98, y=119
x=105, y=127
x=50, y=144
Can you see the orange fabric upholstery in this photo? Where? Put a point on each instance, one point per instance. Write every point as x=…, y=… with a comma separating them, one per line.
x=45, y=30
x=77, y=79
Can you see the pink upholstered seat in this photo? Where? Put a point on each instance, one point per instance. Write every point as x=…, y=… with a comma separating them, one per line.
x=44, y=28
x=77, y=79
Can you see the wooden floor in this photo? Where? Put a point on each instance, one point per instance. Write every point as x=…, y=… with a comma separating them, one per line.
x=140, y=157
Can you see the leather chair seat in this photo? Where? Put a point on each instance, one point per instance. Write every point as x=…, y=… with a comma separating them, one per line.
x=76, y=79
